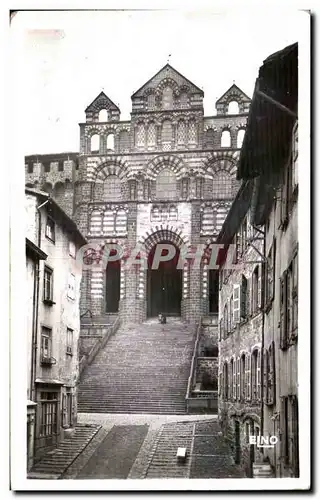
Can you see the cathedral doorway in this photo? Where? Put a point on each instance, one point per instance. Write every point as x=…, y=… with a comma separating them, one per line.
x=112, y=286
x=164, y=285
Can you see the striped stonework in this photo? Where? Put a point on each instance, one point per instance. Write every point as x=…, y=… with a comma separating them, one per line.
x=109, y=220
x=122, y=283
x=97, y=283
x=205, y=281
x=185, y=282
x=213, y=215
x=141, y=284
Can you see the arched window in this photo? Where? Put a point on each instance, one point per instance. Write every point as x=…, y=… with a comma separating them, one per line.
x=96, y=222
x=166, y=135
x=112, y=188
x=121, y=222
x=95, y=143
x=151, y=101
x=103, y=115
x=233, y=108
x=167, y=98
x=110, y=142
x=222, y=185
x=209, y=138
x=124, y=140
x=240, y=137
x=151, y=137
x=192, y=136
x=225, y=139
x=184, y=101
x=166, y=185
x=132, y=190
x=181, y=132
x=140, y=135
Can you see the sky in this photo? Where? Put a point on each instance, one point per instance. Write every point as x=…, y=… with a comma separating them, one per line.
x=67, y=58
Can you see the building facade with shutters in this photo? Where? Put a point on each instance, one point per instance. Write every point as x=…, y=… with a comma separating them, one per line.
x=268, y=168
x=166, y=176
x=53, y=321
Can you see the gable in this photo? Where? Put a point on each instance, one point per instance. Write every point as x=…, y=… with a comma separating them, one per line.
x=233, y=93
x=176, y=80
x=101, y=102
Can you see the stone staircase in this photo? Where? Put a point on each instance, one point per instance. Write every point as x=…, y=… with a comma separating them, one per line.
x=142, y=369
x=54, y=463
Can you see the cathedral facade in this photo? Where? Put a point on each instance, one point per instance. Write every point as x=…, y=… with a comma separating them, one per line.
x=167, y=176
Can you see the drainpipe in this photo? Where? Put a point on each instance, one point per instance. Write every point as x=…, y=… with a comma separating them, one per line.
x=35, y=312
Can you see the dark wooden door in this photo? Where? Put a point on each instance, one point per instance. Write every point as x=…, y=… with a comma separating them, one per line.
x=112, y=287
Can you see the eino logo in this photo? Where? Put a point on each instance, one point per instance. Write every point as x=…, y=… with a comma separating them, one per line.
x=263, y=441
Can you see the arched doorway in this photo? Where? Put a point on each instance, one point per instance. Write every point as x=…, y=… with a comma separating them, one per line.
x=112, y=286
x=164, y=285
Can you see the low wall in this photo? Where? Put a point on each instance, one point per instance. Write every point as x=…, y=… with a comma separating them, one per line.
x=93, y=340
x=203, y=402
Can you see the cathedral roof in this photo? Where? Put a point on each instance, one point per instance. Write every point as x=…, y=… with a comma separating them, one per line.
x=234, y=92
x=170, y=73
x=102, y=101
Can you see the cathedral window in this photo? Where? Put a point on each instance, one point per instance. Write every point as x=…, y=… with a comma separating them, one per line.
x=166, y=131
x=121, y=222
x=233, y=108
x=151, y=137
x=240, y=137
x=155, y=214
x=140, y=135
x=166, y=188
x=110, y=142
x=132, y=190
x=222, y=185
x=208, y=220
x=103, y=115
x=173, y=213
x=112, y=188
x=225, y=139
x=95, y=143
x=181, y=132
x=192, y=132
x=167, y=98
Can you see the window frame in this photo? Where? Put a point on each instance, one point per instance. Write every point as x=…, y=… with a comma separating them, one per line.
x=69, y=344
x=51, y=225
x=71, y=295
x=46, y=333
x=47, y=298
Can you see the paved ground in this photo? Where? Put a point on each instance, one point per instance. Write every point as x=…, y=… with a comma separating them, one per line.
x=144, y=446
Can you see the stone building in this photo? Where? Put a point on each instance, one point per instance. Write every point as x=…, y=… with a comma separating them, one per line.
x=53, y=320
x=258, y=389
x=168, y=175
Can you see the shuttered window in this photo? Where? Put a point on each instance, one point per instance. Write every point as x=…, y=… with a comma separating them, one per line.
x=236, y=304
x=243, y=297
x=283, y=310
x=238, y=379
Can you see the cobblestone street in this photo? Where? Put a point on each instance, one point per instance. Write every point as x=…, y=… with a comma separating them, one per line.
x=145, y=447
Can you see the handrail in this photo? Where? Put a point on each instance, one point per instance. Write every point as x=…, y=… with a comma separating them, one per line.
x=194, y=356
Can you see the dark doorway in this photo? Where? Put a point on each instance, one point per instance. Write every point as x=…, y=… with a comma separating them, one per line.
x=237, y=442
x=213, y=291
x=113, y=286
x=164, y=286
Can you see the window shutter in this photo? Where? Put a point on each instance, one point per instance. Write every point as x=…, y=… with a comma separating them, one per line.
x=265, y=375
x=271, y=376
x=283, y=311
x=229, y=382
x=295, y=435
x=230, y=307
x=259, y=375
x=249, y=377
x=260, y=286
x=64, y=410
x=243, y=297
x=219, y=383
x=236, y=304
x=234, y=381
x=238, y=379
x=220, y=328
x=251, y=302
